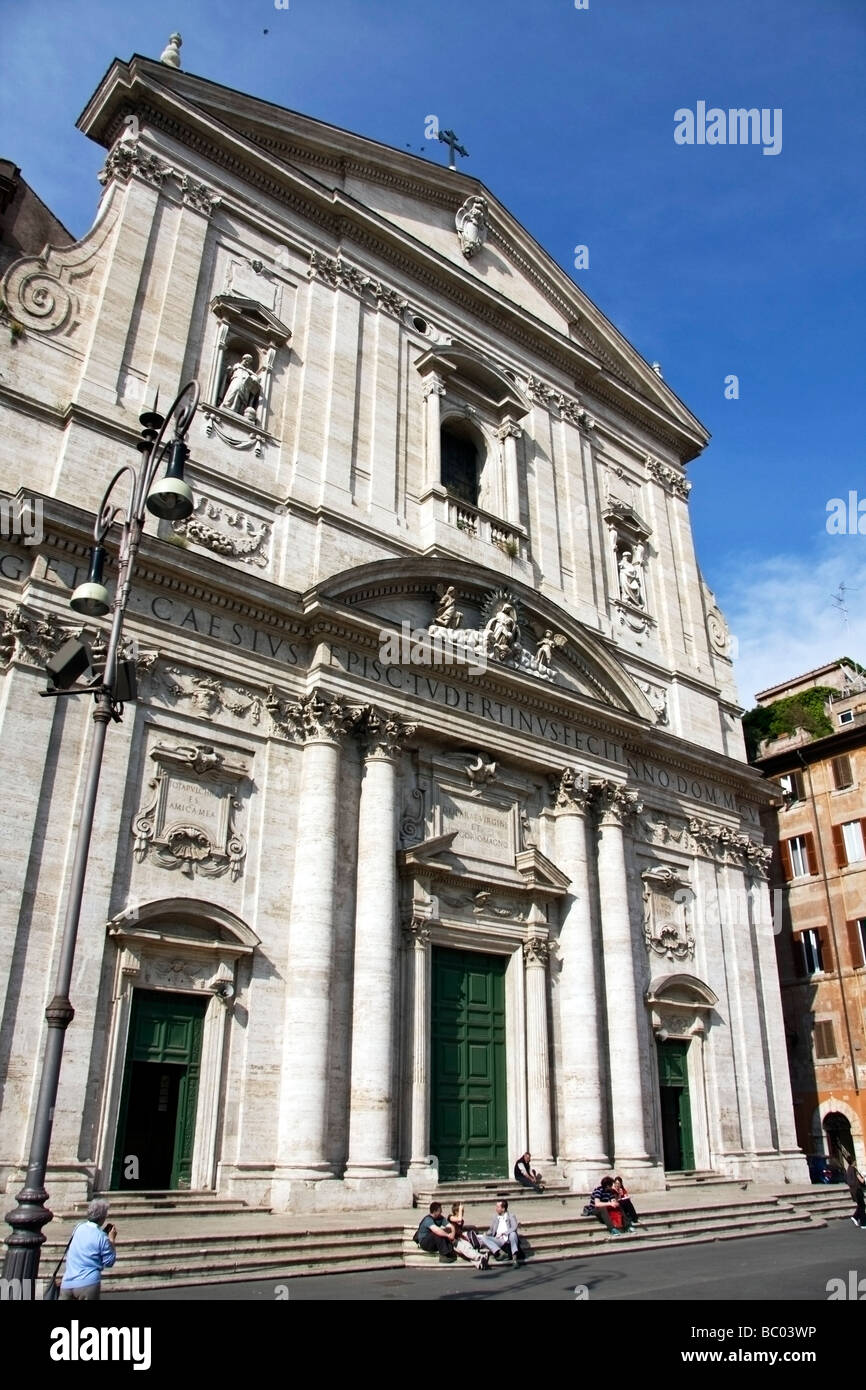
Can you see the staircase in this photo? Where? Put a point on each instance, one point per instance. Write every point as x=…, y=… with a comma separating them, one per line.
x=567, y=1235
x=195, y=1238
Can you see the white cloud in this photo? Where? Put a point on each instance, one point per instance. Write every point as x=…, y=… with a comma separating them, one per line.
x=780, y=610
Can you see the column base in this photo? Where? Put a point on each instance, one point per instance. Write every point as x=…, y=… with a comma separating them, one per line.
x=379, y=1193
x=584, y=1174
x=642, y=1174
x=387, y=1168
x=424, y=1177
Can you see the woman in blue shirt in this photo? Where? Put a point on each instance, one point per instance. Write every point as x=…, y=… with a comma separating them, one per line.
x=91, y=1250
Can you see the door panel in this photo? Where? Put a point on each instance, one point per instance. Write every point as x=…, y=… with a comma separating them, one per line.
x=468, y=1109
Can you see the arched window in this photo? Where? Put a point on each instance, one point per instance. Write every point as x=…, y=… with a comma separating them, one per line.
x=462, y=461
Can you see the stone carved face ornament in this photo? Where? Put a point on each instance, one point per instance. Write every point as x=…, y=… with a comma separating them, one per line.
x=471, y=224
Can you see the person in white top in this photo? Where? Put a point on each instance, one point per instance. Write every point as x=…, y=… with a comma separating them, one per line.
x=502, y=1233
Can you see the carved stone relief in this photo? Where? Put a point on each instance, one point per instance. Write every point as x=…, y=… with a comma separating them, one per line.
x=226, y=531
x=189, y=820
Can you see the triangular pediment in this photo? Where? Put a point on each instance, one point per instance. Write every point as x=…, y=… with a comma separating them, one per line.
x=406, y=207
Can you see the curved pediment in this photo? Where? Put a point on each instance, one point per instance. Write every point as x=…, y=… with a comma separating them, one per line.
x=471, y=368
x=680, y=990
x=485, y=622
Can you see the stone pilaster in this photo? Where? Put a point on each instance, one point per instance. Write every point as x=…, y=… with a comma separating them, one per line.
x=376, y=975
x=418, y=936
x=434, y=390
x=509, y=432
x=582, y=1145
x=321, y=722
x=536, y=953
x=628, y=1065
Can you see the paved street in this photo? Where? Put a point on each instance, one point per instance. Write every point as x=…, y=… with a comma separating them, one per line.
x=793, y=1267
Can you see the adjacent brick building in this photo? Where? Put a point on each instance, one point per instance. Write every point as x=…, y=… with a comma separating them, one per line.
x=820, y=868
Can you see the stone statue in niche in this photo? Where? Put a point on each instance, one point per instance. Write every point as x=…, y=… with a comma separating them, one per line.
x=471, y=223
x=243, y=389
x=631, y=588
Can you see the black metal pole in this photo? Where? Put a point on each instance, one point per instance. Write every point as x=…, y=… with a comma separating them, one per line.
x=31, y=1214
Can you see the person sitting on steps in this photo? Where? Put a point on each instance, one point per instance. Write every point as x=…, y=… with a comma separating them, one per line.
x=526, y=1176
x=626, y=1205
x=434, y=1235
x=502, y=1232
x=604, y=1203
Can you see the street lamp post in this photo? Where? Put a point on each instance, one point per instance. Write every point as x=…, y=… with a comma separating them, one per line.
x=169, y=499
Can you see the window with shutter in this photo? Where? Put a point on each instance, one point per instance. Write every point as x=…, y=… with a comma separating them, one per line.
x=857, y=943
x=798, y=957
x=842, y=772
x=811, y=856
x=839, y=847
x=825, y=1039
x=810, y=944
x=852, y=835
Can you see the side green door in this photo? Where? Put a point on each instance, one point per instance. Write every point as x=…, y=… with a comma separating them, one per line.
x=679, y=1153
x=156, y=1127
x=468, y=1125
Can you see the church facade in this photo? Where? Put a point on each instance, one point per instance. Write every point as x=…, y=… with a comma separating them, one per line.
x=430, y=837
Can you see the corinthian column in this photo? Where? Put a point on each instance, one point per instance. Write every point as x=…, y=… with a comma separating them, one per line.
x=628, y=1066
x=321, y=722
x=536, y=953
x=376, y=975
x=582, y=1111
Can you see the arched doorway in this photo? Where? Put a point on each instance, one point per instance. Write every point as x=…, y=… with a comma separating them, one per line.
x=840, y=1141
x=175, y=980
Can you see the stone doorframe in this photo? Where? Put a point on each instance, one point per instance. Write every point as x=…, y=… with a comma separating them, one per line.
x=462, y=910
x=180, y=945
x=679, y=1005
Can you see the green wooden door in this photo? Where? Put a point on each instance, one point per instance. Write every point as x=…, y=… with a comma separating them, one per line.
x=468, y=1125
x=679, y=1152
x=156, y=1129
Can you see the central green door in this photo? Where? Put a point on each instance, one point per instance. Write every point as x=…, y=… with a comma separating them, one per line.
x=468, y=1126
x=679, y=1150
x=156, y=1128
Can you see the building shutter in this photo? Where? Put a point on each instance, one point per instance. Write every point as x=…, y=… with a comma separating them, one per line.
x=811, y=857
x=839, y=847
x=785, y=857
x=826, y=950
x=842, y=771
x=825, y=1039
x=798, y=959
x=855, y=946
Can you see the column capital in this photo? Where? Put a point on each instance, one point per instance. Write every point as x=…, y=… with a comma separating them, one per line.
x=536, y=951
x=417, y=933
x=319, y=718
x=384, y=734
x=571, y=792
x=614, y=803
x=509, y=429
x=434, y=385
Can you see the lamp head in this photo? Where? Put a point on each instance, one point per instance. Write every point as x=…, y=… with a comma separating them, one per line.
x=171, y=498
x=91, y=597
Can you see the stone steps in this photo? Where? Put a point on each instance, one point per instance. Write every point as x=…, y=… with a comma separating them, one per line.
x=146, y=1205
x=233, y=1249
x=491, y=1192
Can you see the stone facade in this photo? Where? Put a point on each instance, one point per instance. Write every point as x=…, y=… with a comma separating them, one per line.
x=380, y=722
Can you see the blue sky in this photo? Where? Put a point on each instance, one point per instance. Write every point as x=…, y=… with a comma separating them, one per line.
x=713, y=260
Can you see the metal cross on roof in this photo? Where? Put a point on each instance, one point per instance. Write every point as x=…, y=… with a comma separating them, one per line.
x=450, y=139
